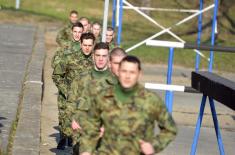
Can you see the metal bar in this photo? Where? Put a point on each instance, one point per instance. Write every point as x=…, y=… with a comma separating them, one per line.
x=167, y=29
x=17, y=4
x=169, y=94
x=197, y=63
x=105, y=20
x=117, y=13
x=120, y=23
x=213, y=35
x=216, y=125
x=161, y=43
x=198, y=126
x=195, y=14
x=157, y=86
x=114, y=13
x=153, y=21
x=161, y=9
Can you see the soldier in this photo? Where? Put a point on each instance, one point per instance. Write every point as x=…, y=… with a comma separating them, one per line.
x=85, y=23
x=65, y=34
x=110, y=37
x=73, y=45
x=100, y=73
x=128, y=113
x=96, y=30
x=72, y=65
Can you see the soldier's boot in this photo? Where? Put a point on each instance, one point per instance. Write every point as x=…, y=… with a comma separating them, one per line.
x=76, y=149
x=70, y=141
x=62, y=143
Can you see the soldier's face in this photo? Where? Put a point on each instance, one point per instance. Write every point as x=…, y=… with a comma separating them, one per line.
x=109, y=36
x=128, y=74
x=77, y=32
x=73, y=18
x=101, y=58
x=96, y=29
x=114, y=64
x=85, y=25
x=87, y=46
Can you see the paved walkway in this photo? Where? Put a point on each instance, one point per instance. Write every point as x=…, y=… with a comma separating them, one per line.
x=16, y=44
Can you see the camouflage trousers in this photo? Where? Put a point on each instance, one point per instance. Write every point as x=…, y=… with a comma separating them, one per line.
x=64, y=120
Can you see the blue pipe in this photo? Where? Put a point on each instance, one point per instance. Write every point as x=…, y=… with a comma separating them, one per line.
x=213, y=36
x=119, y=36
x=169, y=94
x=198, y=126
x=216, y=125
x=114, y=13
x=199, y=36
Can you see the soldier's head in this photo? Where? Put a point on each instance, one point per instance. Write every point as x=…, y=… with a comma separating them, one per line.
x=101, y=55
x=129, y=71
x=73, y=16
x=77, y=30
x=115, y=57
x=96, y=29
x=87, y=43
x=109, y=34
x=85, y=23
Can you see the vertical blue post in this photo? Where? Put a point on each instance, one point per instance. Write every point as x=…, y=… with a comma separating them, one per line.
x=199, y=36
x=198, y=126
x=213, y=35
x=119, y=36
x=169, y=94
x=114, y=13
x=216, y=125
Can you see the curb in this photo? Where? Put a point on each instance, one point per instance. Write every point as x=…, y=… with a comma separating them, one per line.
x=27, y=138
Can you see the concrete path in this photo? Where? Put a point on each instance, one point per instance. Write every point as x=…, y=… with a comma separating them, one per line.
x=16, y=44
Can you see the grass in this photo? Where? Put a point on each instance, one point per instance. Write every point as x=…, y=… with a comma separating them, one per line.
x=135, y=28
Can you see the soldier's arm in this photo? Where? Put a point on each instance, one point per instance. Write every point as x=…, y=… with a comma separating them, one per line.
x=58, y=77
x=56, y=58
x=62, y=37
x=166, y=125
x=90, y=122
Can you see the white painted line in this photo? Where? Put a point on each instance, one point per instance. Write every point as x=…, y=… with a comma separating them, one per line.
x=164, y=87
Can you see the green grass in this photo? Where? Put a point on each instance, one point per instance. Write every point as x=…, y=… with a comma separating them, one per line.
x=136, y=28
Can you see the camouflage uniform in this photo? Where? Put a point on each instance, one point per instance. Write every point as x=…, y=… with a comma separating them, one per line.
x=71, y=66
x=112, y=45
x=79, y=88
x=72, y=47
x=61, y=53
x=64, y=35
x=127, y=116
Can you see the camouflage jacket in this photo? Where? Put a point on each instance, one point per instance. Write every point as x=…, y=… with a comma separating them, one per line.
x=64, y=35
x=71, y=66
x=125, y=123
x=79, y=86
x=72, y=47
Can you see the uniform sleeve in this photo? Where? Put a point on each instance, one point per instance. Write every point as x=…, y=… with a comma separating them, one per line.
x=166, y=125
x=90, y=121
x=58, y=77
x=62, y=37
x=56, y=58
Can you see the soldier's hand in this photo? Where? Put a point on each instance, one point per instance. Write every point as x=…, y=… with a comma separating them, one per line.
x=101, y=132
x=75, y=125
x=146, y=148
x=85, y=153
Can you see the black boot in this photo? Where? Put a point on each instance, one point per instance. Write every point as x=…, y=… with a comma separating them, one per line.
x=62, y=143
x=70, y=141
